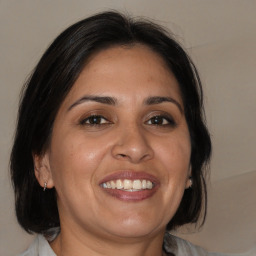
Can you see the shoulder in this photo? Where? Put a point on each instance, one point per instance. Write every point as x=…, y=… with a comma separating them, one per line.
x=186, y=248
x=39, y=247
x=181, y=247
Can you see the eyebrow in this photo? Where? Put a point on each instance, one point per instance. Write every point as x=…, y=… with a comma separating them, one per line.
x=100, y=99
x=158, y=100
x=113, y=101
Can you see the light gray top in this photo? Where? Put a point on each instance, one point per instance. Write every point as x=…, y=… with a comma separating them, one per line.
x=175, y=245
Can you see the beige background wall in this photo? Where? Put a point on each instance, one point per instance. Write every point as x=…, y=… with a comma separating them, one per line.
x=220, y=35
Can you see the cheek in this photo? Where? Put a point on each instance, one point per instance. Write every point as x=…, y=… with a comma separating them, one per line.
x=72, y=160
x=175, y=154
x=74, y=166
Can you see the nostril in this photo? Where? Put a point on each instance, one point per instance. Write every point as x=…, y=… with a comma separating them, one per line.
x=131, y=150
x=121, y=156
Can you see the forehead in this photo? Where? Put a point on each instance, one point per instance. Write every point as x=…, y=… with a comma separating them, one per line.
x=126, y=69
x=138, y=56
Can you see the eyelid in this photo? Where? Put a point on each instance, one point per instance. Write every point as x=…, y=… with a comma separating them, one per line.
x=86, y=114
x=168, y=117
x=85, y=119
x=162, y=113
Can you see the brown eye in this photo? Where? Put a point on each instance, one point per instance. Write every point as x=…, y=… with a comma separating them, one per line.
x=94, y=120
x=161, y=120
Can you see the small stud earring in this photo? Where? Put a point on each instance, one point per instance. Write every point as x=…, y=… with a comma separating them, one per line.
x=45, y=186
x=191, y=182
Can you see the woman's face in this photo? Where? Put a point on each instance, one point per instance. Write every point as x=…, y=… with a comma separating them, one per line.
x=119, y=155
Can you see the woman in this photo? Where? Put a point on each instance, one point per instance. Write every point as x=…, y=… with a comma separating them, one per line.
x=111, y=143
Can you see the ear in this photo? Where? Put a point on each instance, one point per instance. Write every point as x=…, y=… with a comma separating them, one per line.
x=189, y=182
x=43, y=171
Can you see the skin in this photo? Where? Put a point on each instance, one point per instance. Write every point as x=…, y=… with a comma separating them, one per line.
x=126, y=137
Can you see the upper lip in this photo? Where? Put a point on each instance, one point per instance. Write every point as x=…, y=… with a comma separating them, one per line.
x=130, y=175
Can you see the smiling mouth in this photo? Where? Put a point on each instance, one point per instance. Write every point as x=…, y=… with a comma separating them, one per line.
x=128, y=185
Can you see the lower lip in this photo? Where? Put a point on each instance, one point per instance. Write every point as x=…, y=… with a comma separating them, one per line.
x=131, y=196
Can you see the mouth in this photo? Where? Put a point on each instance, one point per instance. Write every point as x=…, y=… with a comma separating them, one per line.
x=130, y=186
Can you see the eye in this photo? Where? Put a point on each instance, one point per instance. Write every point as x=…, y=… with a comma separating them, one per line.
x=94, y=120
x=161, y=121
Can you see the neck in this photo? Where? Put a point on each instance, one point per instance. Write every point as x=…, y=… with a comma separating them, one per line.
x=70, y=243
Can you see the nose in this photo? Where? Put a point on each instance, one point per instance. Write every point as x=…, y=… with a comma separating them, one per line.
x=132, y=144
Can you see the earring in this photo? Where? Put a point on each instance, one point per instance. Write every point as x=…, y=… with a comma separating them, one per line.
x=191, y=182
x=45, y=186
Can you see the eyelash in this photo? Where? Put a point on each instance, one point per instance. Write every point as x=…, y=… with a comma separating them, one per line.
x=164, y=121
x=90, y=119
x=99, y=120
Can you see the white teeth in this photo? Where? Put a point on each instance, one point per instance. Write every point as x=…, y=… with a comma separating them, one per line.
x=119, y=184
x=113, y=184
x=128, y=185
x=144, y=184
x=136, y=184
x=149, y=184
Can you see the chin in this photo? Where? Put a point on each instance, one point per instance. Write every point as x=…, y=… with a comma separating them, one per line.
x=136, y=227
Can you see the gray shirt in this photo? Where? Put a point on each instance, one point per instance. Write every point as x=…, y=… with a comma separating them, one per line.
x=174, y=245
